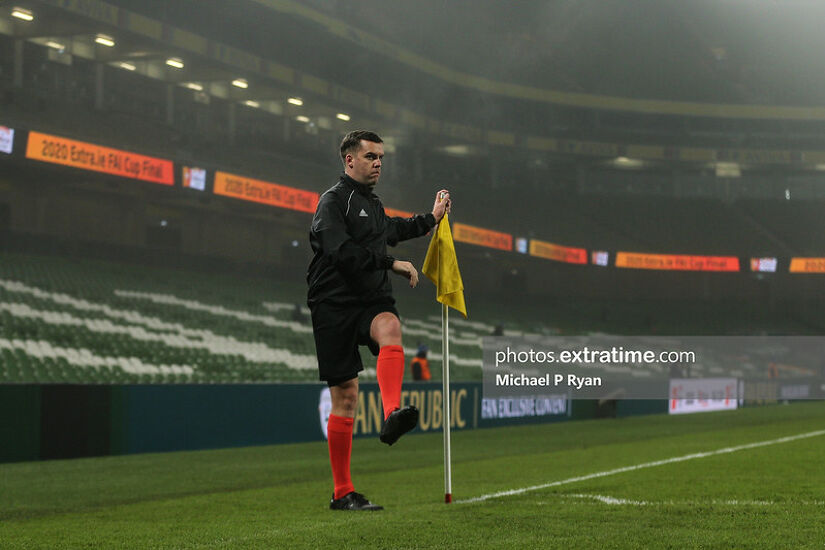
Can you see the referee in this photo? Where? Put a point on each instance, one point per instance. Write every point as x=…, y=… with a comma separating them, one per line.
x=351, y=301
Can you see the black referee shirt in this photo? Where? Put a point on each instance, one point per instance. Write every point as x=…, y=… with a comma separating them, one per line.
x=349, y=236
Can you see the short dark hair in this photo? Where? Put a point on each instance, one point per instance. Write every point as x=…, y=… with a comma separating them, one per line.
x=353, y=139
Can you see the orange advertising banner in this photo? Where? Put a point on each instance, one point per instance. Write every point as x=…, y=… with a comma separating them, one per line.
x=558, y=253
x=482, y=237
x=807, y=265
x=676, y=262
x=264, y=192
x=88, y=156
x=394, y=213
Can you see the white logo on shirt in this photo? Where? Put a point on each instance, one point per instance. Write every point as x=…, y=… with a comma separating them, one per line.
x=362, y=213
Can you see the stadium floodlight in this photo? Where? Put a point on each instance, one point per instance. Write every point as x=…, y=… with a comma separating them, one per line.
x=458, y=150
x=297, y=101
x=126, y=66
x=342, y=116
x=194, y=86
x=728, y=170
x=56, y=45
x=23, y=15
x=302, y=118
x=175, y=62
x=104, y=40
x=251, y=103
x=624, y=162
x=240, y=83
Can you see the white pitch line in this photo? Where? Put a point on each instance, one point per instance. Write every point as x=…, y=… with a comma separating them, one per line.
x=712, y=502
x=642, y=466
x=715, y=502
x=611, y=500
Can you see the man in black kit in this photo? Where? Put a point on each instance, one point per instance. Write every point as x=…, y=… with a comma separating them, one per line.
x=351, y=301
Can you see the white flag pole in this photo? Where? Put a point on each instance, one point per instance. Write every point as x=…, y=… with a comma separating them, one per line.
x=445, y=347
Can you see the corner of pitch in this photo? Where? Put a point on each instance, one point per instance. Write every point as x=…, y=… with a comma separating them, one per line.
x=577, y=382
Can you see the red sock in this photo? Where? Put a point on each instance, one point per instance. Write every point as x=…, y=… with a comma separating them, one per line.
x=390, y=372
x=339, y=438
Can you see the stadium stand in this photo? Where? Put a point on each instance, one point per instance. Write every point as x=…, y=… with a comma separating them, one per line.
x=82, y=321
x=79, y=321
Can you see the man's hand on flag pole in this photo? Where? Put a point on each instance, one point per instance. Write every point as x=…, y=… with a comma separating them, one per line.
x=406, y=269
x=442, y=204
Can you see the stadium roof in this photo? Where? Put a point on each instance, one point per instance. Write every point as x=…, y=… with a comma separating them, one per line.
x=740, y=51
x=489, y=73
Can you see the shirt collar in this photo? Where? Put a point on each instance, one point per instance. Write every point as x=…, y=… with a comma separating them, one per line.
x=363, y=189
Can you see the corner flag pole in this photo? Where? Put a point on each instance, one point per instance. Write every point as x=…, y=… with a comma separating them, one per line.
x=445, y=347
x=441, y=267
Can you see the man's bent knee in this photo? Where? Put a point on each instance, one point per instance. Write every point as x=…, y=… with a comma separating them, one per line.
x=386, y=329
x=344, y=398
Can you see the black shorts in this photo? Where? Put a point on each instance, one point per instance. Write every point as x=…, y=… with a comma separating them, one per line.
x=338, y=331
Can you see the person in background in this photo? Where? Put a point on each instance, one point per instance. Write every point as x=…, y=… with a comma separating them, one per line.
x=420, y=365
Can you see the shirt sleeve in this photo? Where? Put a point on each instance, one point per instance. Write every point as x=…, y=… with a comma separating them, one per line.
x=400, y=229
x=330, y=230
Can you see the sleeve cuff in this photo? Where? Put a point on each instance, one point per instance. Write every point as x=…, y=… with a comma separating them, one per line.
x=387, y=262
x=430, y=219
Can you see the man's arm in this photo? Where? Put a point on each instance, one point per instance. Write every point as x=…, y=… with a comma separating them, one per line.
x=330, y=231
x=401, y=229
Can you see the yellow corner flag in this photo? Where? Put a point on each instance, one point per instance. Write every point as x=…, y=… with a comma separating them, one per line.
x=441, y=267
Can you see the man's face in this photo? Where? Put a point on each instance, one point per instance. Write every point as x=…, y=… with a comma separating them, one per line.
x=364, y=165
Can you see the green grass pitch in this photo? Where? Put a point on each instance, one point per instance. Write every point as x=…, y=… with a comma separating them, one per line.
x=276, y=497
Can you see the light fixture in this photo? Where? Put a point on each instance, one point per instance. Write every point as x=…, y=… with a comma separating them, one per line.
x=624, y=162
x=240, y=83
x=126, y=66
x=194, y=86
x=250, y=103
x=302, y=118
x=104, y=40
x=56, y=45
x=22, y=14
x=342, y=116
x=458, y=150
x=728, y=170
x=297, y=101
x=175, y=62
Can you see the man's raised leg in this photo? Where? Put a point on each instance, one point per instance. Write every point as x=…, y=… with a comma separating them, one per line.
x=385, y=329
